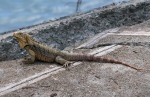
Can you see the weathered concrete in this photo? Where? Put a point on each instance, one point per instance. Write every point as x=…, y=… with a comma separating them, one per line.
x=85, y=79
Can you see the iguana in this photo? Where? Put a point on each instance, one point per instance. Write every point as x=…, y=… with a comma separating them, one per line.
x=42, y=52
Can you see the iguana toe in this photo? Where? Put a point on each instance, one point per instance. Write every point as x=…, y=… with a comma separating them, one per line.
x=67, y=64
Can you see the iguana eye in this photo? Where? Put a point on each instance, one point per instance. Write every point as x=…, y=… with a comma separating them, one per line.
x=19, y=33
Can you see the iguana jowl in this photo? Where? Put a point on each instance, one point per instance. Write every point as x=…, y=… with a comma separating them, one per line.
x=42, y=52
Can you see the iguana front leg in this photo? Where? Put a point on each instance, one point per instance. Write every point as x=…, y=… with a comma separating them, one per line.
x=62, y=61
x=31, y=59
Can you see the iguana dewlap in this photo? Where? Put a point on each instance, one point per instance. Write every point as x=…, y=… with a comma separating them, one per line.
x=42, y=52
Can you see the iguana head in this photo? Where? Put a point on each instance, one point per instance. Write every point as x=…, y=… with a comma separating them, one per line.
x=22, y=38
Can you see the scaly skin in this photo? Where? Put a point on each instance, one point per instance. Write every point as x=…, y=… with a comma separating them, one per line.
x=42, y=52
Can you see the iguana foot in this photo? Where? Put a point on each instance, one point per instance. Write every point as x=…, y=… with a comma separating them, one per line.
x=27, y=60
x=67, y=64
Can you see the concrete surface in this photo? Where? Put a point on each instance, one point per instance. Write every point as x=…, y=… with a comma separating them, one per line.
x=96, y=79
x=85, y=79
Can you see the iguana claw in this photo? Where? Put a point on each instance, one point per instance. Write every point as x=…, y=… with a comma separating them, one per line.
x=67, y=64
x=27, y=60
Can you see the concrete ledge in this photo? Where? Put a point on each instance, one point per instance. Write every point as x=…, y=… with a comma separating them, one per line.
x=102, y=79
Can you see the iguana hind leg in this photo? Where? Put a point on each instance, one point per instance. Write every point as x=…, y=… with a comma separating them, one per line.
x=63, y=62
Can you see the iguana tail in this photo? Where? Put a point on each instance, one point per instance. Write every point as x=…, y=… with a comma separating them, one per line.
x=82, y=57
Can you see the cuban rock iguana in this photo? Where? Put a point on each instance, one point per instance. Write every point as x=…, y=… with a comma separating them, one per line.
x=42, y=52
